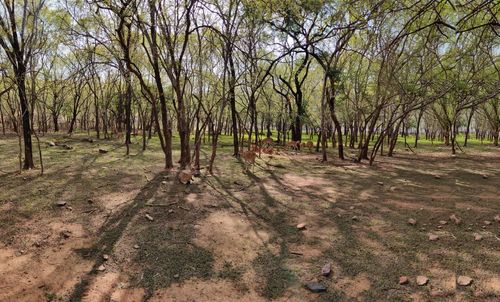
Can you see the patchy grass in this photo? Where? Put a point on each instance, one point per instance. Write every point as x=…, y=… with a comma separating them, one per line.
x=356, y=219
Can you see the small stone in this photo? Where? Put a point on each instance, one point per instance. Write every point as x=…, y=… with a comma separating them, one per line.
x=61, y=203
x=380, y=183
x=455, y=219
x=497, y=218
x=464, y=281
x=437, y=177
x=149, y=217
x=351, y=208
x=315, y=287
x=422, y=280
x=393, y=189
x=485, y=176
x=301, y=226
x=176, y=276
x=433, y=237
x=443, y=222
x=103, y=151
x=326, y=270
x=403, y=280
x=101, y=268
x=170, y=211
x=164, y=182
x=487, y=222
x=136, y=246
x=90, y=201
x=412, y=221
x=478, y=237
x=105, y=257
x=355, y=218
x=51, y=144
x=440, y=226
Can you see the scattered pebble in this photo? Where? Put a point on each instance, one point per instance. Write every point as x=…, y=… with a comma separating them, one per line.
x=101, y=268
x=136, y=246
x=301, y=226
x=422, y=280
x=380, y=183
x=443, y=222
x=464, y=281
x=403, y=280
x=176, y=276
x=433, y=237
x=351, y=208
x=355, y=218
x=170, y=211
x=478, y=237
x=61, y=203
x=315, y=287
x=149, y=217
x=326, y=270
x=437, y=177
x=164, y=182
x=487, y=222
x=412, y=221
x=105, y=257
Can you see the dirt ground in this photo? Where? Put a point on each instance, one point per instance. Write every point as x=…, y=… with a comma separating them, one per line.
x=234, y=236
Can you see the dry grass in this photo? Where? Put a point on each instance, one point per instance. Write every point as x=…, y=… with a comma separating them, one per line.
x=232, y=236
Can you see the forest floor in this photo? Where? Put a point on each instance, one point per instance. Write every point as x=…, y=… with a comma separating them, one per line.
x=234, y=236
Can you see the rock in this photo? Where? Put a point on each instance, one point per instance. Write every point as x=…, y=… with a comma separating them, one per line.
x=478, y=237
x=487, y=222
x=433, y=237
x=315, y=287
x=440, y=227
x=196, y=173
x=301, y=226
x=497, y=218
x=437, y=177
x=422, y=280
x=136, y=246
x=101, y=268
x=185, y=176
x=464, y=281
x=455, y=219
x=164, y=182
x=103, y=151
x=403, y=280
x=351, y=208
x=380, y=183
x=90, y=201
x=412, y=221
x=355, y=218
x=61, y=203
x=326, y=270
x=149, y=217
x=105, y=257
x=170, y=211
x=485, y=176
x=176, y=276
x=51, y=144
x=443, y=222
